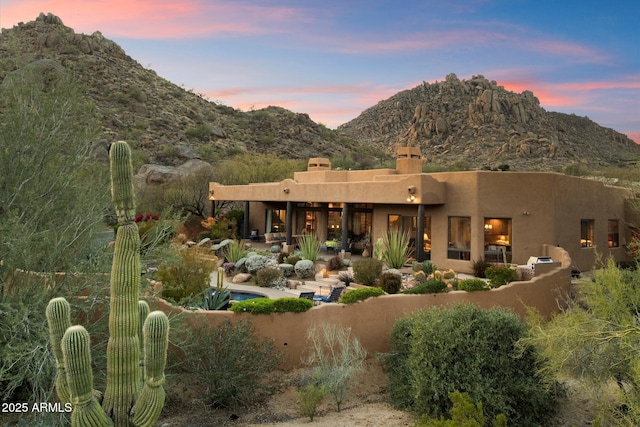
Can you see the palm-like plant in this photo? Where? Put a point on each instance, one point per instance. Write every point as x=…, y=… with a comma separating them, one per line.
x=397, y=248
x=234, y=251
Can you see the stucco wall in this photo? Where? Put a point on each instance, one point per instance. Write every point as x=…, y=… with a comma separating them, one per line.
x=372, y=320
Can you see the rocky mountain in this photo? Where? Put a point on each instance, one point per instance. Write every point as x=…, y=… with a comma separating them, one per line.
x=479, y=123
x=163, y=122
x=475, y=122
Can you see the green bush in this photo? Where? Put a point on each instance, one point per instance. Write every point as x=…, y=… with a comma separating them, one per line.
x=464, y=413
x=234, y=251
x=268, y=306
x=310, y=396
x=390, y=282
x=499, y=275
x=291, y=305
x=428, y=287
x=360, y=294
x=268, y=277
x=471, y=285
x=480, y=267
x=184, y=275
x=292, y=259
x=428, y=267
x=209, y=358
x=367, y=270
x=438, y=351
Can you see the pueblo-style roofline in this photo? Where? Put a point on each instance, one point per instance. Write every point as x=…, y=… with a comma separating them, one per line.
x=404, y=185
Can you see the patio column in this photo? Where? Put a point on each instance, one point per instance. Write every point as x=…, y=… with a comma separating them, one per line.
x=420, y=234
x=288, y=221
x=345, y=226
x=245, y=221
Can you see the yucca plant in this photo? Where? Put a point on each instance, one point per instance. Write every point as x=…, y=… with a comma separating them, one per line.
x=397, y=248
x=234, y=251
x=309, y=246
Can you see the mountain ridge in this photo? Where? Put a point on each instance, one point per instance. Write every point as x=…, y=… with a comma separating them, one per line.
x=474, y=122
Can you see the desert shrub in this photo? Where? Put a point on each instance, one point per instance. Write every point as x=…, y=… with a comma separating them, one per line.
x=268, y=277
x=464, y=413
x=335, y=263
x=255, y=263
x=201, y=132
x=336, y=356
x=390, y=282
x=184, y=275
x=440, y=350
x=229, y=268
x=310, y=396
x=499, y=275
x=367, y=270
x=360, y=294
x=429, y=287
x=286, y=269
x=268, y=306
x=208, y=357
x=471, y=285
x=304, y=268
x=480, y=267
x=292, y=259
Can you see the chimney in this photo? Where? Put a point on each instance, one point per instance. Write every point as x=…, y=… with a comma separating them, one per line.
x=408, y=160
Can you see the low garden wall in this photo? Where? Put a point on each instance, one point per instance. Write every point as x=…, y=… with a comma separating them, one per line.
x=372, y=320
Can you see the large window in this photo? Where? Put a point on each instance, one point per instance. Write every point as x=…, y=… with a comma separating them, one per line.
x=586, y=233
x=497, y=239
x=612, y=234
x=404, y=223
x=276, y=220
x=459, y=238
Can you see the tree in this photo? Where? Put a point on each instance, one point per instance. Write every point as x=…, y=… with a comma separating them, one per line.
x=596, y=341
x=52, y=194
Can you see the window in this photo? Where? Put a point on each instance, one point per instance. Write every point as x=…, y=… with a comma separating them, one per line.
x=403, y=223
x=612, y=233
x=586, y=233
x=497, y=239
x=276, y=220
x=459, y=238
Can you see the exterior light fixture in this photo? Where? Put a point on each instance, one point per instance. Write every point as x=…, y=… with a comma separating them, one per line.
x=412, y=193
x=286, y=190
x=212, y=195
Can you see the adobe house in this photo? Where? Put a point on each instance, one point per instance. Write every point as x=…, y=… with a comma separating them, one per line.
x=453, y=218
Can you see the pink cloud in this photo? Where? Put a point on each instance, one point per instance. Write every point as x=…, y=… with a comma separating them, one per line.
x=161, y=19
x=634, y=134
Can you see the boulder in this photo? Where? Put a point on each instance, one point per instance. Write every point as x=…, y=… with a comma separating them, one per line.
x=241, y=278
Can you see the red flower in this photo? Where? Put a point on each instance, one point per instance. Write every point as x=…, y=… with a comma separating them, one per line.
x=138, y=218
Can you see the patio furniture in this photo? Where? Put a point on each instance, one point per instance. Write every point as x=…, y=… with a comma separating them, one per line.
x=334, y=296
x=307, y=295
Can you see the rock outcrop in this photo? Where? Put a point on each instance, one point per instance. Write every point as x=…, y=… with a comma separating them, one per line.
x=478, y=123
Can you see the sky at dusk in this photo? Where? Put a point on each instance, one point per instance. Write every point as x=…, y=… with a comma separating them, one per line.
x=332, y=59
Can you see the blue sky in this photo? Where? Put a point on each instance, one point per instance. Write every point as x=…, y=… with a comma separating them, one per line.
x=333, y=59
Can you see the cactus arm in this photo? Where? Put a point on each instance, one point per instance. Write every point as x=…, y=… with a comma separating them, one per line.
x=143, y=312
x=77, y=356
x=59, y=319
x=151, y=399
x=123, y=347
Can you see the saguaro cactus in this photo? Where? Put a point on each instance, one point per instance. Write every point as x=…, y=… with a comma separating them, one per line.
x=128, y=400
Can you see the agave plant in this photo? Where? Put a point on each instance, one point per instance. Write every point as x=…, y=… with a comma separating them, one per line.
x=234, y=251
x=397, y=248
x=217, y=298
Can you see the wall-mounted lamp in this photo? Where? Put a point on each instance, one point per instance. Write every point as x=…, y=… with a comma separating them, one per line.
x=488, y=227
x=212, y=195
x=526, y=213
x=286, y=190
x=412, y=193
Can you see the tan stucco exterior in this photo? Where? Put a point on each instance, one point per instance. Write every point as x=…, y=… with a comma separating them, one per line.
x=532, y=208
x=372, y=320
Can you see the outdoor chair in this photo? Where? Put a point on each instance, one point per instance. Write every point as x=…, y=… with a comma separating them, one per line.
x=307, y=295
x=334, y=296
